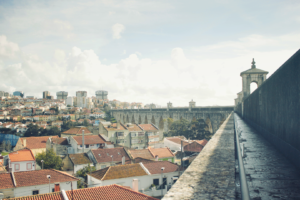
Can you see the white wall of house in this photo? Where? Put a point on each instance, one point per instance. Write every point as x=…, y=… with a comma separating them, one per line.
x=78, y=149
x=22, y=166
x=79, y=167
x=26, y=191
x=144, y=181
x=172, y=145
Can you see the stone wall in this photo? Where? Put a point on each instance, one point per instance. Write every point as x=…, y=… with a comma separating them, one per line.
x=213, y=116
x=212, y=174
x=274, y=109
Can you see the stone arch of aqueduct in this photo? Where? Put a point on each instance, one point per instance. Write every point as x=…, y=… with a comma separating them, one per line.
x=213, y=116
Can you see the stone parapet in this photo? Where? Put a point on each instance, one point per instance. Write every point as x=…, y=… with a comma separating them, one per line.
x=212, y=174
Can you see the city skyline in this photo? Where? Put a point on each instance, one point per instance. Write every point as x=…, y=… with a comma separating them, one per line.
x=149, y=52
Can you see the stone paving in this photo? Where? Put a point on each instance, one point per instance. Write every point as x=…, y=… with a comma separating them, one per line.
x=269, y=174
x=212, y=174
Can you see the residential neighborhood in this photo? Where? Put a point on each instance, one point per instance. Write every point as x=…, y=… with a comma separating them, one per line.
x=50, y=147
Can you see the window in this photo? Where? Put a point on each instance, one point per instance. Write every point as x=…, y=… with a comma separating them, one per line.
x=29, y=165
x=156, y=181
x=120, y=141
x=56, y=187
x=17, y=167
x=133, y=134
x=80, y=145
x=87, y=146
x=52, y=189
x=141, y=134
x=120, y=134
x=34, y=192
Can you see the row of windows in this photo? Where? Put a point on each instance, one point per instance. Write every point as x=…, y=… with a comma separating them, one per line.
x=91, y=145
x=28, y=166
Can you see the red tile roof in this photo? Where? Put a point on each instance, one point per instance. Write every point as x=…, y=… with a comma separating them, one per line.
x=103, y=155
x=89, y=139
x=202, y=142
x=109, y=192
x=161, y=152
x=133, y=127
x=21, y=155
x=38, y=177
x=6, y=181
x=142, y=153
x=77, y=131
x=148, y=127
x=177, y=140
x=195, y=146
x=79, y=158
x=61, y=141
x=155, y=167
x=36, y=142
x=113, y=127
x=119, y=171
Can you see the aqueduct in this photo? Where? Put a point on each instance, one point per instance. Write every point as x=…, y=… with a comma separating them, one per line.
x=213, y=116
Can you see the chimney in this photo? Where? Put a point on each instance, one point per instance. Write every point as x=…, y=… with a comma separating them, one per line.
x=24, y=142
x=135, y=185
x=123, y=160
x=118, y=124
x=156, y=158
x=82, y=141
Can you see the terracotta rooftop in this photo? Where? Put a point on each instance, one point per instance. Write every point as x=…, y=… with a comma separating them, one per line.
x=89, y=139
x=61, y=141
x=6, y=181
x=142, y=160
x=113, y=127
x=119, y=171
x=37, y=177
x=148, y=127
x=133, y=127
x=77, y=131
x=177, y=140
x=21, y=155
x=104, y=155
x=202, y=142
x=155, y=167
x=36, y=142
x=161, y=152
x=142, y=153
x=79, y=158
x=109, y=192
x=195, y=146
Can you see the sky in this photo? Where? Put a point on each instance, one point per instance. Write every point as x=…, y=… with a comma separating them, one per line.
x=149, y=51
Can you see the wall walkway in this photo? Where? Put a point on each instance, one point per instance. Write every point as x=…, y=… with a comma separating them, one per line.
x=270, y=175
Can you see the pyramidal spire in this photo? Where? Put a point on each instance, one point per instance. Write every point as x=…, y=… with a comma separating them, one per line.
x=253, y=64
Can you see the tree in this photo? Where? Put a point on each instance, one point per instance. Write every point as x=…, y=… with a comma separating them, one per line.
x=195, y=130
x=199, y=130
x=66, y=125
x=180, y=127
x=8, y=146
x=51, y=160
x=85, y=123
x=82, y=173
x=3, y=145
x=33, y=130
x=54, y=131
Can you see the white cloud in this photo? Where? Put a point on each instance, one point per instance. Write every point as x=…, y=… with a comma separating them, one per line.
x=8, y=49
x=175, y=78
x=117, y=29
